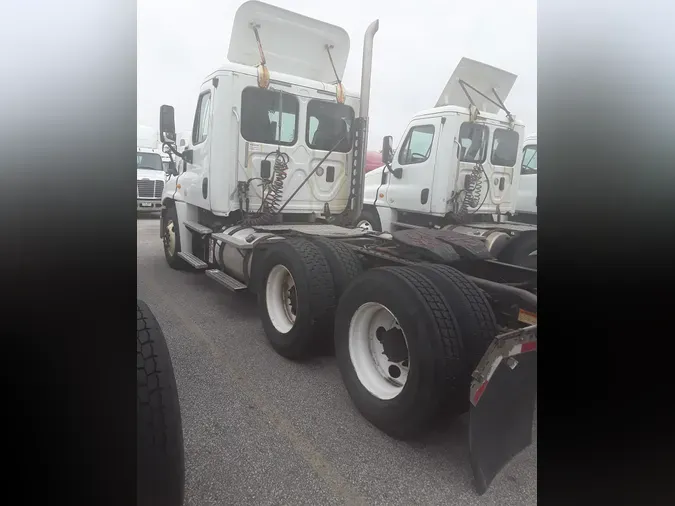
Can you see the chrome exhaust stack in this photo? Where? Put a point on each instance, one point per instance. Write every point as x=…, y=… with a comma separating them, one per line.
x=361, y=126
x=367, y=67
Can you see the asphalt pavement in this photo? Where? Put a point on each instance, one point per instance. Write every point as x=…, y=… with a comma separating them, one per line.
x=262, y=430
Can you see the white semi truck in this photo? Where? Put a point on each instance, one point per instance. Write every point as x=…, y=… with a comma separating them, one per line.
x=150, y=177
x=457, y=168
x=426, y=323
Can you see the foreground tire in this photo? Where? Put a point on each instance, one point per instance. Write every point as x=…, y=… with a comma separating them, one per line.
x=171, y=239
x=296, y=295
x=160, y=455
x=398, y=348
x=477, y=324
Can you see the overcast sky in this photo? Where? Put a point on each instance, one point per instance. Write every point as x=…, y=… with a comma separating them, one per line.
x=416, y=49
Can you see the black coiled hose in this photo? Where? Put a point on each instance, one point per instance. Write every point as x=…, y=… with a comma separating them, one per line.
x=272, y=198
x=473, y=189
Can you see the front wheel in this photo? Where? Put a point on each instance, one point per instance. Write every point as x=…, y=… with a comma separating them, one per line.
x=171, y=239
x=369, y=220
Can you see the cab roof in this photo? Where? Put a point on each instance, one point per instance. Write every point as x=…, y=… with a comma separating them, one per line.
x=277, y=76
x=456, y=109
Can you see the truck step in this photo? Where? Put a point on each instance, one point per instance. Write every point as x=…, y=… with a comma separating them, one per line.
x=226, y=280
x=192, y=260
x=197, y=227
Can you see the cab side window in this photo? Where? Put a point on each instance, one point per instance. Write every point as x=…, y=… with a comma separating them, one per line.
x=529, y=160
x=473, y=139
x=417, y=145
x=200, y=129
x=269, y=117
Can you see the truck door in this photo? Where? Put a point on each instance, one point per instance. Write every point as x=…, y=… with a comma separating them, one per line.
x=194, y=181
x=527, y=193
x=416, y=157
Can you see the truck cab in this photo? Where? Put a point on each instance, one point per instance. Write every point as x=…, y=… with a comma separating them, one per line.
x=459, y=158
x=260, y=129
x=457, y=166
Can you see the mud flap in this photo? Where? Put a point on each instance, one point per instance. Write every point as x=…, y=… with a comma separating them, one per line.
x=503, y=396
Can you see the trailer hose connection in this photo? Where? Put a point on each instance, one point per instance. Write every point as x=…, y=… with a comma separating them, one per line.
x=272, y=192
x=472, y=192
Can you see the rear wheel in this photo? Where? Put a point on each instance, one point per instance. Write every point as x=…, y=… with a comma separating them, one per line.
x=476, y=320
x=296, y=292
x=398, y=349
x=345, y=266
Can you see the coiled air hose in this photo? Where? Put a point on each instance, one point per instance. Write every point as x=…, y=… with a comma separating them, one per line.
x=271, y=200
x=472, y=191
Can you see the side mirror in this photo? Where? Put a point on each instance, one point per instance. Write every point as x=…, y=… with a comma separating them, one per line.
x=167, y=124
x=187, y=156
x=387, y=151
x=171, y=169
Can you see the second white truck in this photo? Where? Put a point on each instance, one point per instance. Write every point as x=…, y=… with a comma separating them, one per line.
x=457, y=167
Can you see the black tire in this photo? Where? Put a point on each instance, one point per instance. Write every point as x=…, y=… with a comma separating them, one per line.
x=477, y=324
x=370, y=215
x=170, y=220
x=435, y=350
x=160, y=454
x=345, y=266
x=517, y=251
x=314, y=293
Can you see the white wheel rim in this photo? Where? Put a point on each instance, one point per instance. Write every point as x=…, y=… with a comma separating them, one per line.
x=383, y=378
x=171, y=234
x=365, y=225
x=281, y=298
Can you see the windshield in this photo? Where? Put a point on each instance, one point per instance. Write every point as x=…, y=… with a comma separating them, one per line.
x=150, y=161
